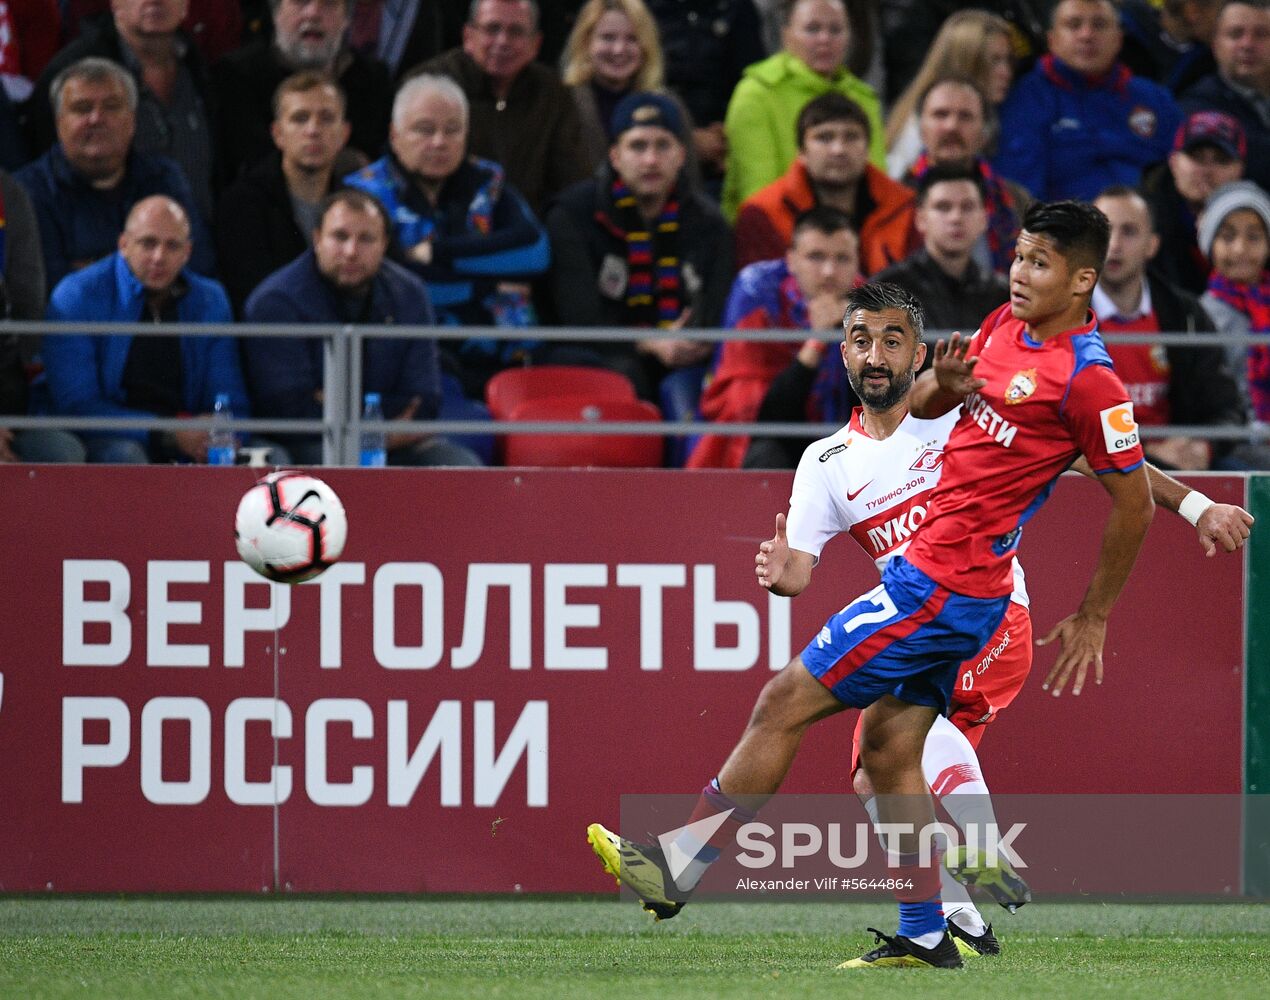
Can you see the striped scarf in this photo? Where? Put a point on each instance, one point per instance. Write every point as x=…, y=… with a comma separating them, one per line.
x=1254, y=302
x=654, y=291
x=1003, y=213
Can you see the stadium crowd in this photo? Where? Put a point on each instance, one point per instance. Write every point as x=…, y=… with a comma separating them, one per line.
x=658, y=165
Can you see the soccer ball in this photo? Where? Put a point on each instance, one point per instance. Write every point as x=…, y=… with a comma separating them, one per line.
x=290, y=526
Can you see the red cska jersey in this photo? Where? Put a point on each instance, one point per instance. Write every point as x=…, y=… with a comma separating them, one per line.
x=1044, y=404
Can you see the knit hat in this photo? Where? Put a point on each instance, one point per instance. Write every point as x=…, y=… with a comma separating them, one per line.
x=643, y=108
x=1212, y=128
x=1226, y=199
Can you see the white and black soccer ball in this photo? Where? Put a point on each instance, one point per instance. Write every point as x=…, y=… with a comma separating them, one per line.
x=290, y=527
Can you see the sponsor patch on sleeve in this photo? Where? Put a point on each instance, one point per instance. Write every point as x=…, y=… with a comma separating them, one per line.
x=1119, y=429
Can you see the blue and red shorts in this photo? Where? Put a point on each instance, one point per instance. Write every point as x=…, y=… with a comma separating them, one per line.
x=906, y=638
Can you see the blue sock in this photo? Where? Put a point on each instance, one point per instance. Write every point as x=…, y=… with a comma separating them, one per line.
x=917, y=919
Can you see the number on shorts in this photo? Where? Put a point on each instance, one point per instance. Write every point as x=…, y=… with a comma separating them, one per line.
x=886, y=608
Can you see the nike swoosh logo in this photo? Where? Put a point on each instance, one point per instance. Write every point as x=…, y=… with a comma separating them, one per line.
x=852, y=496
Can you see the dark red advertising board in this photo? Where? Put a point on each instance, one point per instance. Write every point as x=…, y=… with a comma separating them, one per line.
x=500, y=656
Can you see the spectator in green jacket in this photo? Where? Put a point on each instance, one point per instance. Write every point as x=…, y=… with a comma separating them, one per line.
x=764, y=108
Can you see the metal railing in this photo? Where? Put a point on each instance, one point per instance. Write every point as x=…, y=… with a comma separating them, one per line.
x=341, y=424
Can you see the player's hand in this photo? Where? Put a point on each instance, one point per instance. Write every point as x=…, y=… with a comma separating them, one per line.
x=825, y=311
x=678, y=353
x=1223, y=524
x=811, y=352
x=953, y=370
x=773, y=556
x=1080, y=640
x=682, y=320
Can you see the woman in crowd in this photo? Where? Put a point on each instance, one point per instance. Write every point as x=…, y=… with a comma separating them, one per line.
x=612, y=51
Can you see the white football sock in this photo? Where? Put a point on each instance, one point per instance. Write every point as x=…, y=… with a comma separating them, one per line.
x=956, y=898
x=929, y=939
x=964, y=914
x=951, y=768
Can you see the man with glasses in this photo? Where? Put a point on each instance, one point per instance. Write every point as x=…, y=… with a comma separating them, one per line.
x=521, y=115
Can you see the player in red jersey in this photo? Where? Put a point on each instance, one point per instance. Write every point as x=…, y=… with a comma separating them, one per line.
x=1037, y=389
x=897, y=649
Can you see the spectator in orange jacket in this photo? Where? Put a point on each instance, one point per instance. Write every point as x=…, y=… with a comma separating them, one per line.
x=832, y=169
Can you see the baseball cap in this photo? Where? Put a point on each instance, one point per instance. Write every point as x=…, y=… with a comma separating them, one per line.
x=1212, y=128
x=644, y=108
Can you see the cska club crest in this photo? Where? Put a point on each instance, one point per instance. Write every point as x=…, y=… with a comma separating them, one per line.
x=1021, y=386
x=1143, y=121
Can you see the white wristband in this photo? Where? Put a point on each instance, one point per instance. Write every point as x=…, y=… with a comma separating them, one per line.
x=1193, y=506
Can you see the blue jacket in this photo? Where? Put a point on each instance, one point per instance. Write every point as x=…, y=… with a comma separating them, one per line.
x=286, y=373
x=1063, y=136
x=467, y=263
x=80, y=224
x=85, y=373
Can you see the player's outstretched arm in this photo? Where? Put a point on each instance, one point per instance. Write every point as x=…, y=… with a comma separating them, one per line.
x=779, y=568
x=1224, y=524
x=1081, y=636
x=949, y=380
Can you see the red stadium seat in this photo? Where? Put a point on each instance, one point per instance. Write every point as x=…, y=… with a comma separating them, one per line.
x=513, y=386
x=571, y=450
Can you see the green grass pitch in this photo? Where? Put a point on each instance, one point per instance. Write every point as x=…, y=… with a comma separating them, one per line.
x=290, y=947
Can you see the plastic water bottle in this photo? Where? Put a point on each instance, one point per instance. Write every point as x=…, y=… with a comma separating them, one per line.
x=221, y=446
x=374, y=451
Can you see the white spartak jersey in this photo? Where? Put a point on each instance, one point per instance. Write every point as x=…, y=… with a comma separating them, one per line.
x=875, y=490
